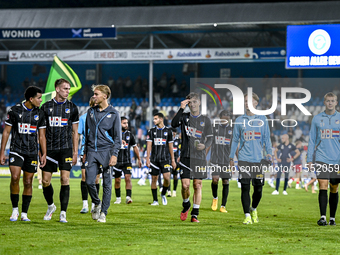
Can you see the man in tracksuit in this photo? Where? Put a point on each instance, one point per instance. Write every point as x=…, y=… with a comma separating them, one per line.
x=102, y=143
x=252, y=132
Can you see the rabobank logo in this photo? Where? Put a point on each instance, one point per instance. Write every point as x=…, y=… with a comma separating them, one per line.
x=189, y=54
x=319, y=42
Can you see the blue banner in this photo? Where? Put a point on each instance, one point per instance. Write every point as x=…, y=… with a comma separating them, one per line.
x=313, y=46
x=269, y=53
x=58, y=33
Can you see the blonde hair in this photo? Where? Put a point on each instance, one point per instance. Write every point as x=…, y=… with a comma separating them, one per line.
x=102, y=88
x=256, y=97
x=330, y=94
x=92, y=102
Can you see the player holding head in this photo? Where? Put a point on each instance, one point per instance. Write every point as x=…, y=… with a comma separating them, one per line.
x=160, y=155
x=124, y=162
x=324, y=139
x=252, y=133
x=196, y=137
x=284, y=158
x=103, y=140
x=24, y=120
x=220, y=161
x=62, y=119
x=83, y=187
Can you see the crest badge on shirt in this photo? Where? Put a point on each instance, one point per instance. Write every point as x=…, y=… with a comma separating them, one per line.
x=337, y=122
x=230, y=132
x=165, y=133
x=67, y=110
x=202, y=124
x=109, y=115
x=36, y=117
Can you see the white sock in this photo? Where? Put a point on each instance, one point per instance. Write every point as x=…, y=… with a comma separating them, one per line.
x=186, y=200
x=252, y=209
x=323, y=217
x=15, y=208
x=85, y=204
x=23, y=215
x=332, y=219
x=195, y=206
x=247, y=215
x=51, y=205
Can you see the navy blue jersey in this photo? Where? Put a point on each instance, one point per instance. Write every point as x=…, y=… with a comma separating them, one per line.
x=220, y=149
x=285, y=151
x=177, y=147
x=160, y=138
x=124, y=152
x=25, y=124
x=60, y=116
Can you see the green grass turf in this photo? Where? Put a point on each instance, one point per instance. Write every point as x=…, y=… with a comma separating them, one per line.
x=287, y=225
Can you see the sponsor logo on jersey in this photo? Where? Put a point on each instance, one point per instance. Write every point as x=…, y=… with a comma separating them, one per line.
x=67, y=110
x=24, y=128
x=252, y=135
x=167, y=166
x=34, y=163
x=51, y=110
x=57, y=121
x=193, y=132
x=7, y=118
x=129, y=168
x=222, y=140
x=159, y=141
x=68, y=160
x=329, y=133
x=20, y=116
x=12, y=160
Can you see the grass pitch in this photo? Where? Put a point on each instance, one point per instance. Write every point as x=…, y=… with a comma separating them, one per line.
x=287, y=225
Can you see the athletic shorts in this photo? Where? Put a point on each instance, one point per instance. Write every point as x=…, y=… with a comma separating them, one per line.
x=160, y=167
x=297, y=168
x=176, y=170
x=223, y=171
x=28, y=163
x=61, y=158
x=329, y=172
x=193, y=168
x=118, y=169
x=251, y=171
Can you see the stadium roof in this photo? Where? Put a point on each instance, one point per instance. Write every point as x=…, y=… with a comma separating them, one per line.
x=238, y=25
x=168, y=16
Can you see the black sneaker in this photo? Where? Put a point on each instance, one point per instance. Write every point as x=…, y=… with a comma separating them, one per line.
x=322, y=222
x=332, y=223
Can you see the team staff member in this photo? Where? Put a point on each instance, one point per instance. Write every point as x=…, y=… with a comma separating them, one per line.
x=159, y=153
x=124, y=162
x=252, y=133
x=220, y=163
x=324, y=139
x=103, y=140
x=62, y=119
x=196, y=137
x=24, y=120
x=284, y=159
x=83, y=187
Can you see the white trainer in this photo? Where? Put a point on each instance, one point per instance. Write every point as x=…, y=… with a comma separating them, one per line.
x=62, y=217
x=50, y=210
x=92, y=207
x=275, y=192
x=174, y=193
x=96, y=211
x=155, y=203
x=118, y=200
x=285, y=193
x=24, y=217
x=141, y=182
x=164, y=201
x=128, y=200
x=102, y=218
x=15, y=214
x=169, y=193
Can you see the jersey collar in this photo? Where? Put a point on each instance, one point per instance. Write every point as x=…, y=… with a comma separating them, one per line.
x=59, y=102
x=195, y=116
x=23, y=105
x=324, y=114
